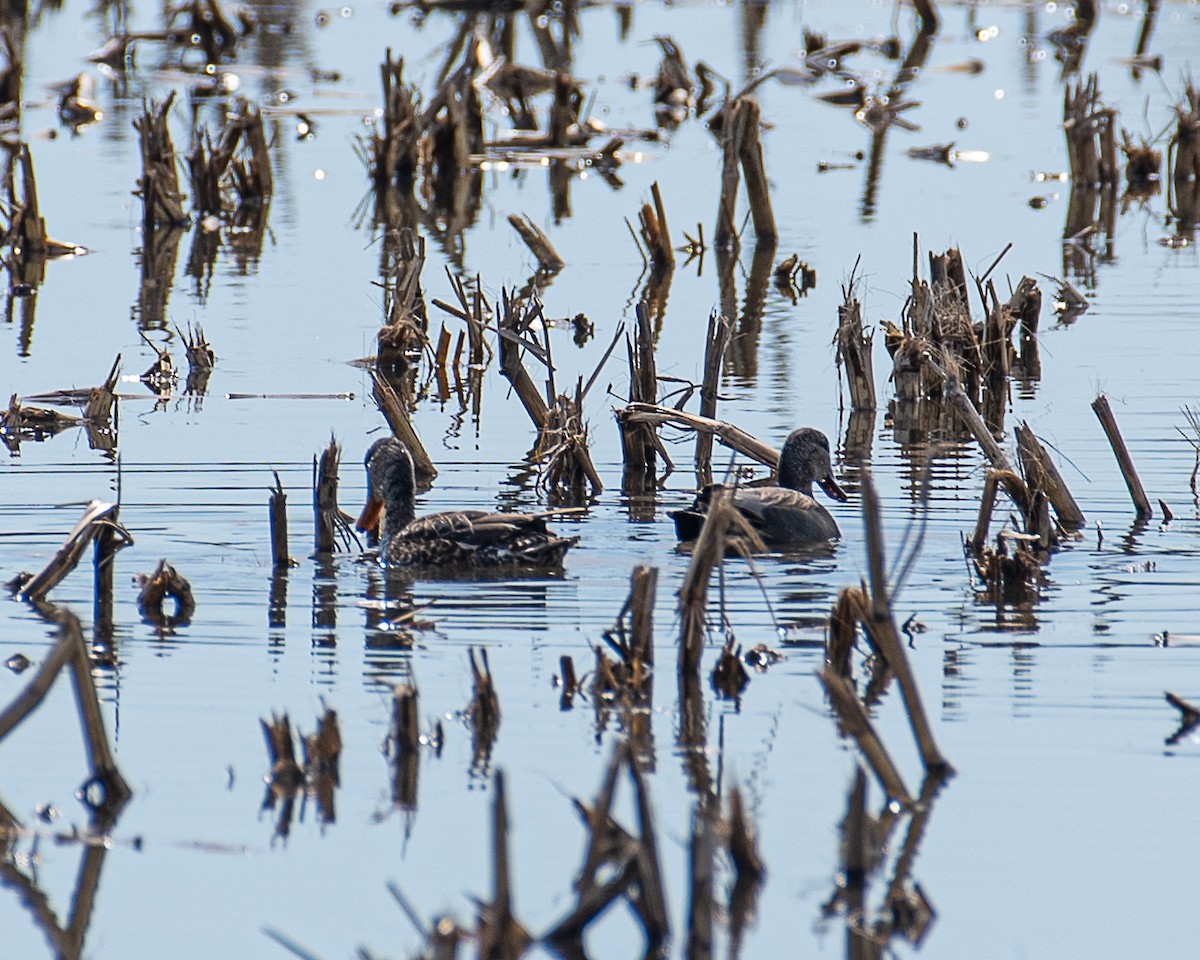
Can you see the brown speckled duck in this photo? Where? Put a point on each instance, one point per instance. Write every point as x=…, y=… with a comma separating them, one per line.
x=787, y=514
x=454, y=538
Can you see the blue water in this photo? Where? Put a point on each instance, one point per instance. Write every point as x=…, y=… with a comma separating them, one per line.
x=1067, y=828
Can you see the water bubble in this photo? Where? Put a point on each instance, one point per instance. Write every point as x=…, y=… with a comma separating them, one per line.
x=322, y=18
x=318, y=174
x=346, y=13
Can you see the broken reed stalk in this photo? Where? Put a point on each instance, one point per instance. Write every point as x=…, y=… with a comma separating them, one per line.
x=852, y=717
x=514, y=323
x=843, y=629
x=643, y=583
x=538, y=243
x=881, y=629
x=1137, y=492
x=277, y=506
x=961, y=404
x=106, y=544
x=655, y=234
x=720, y=329
x=854, y=351
x=396, y=414
x=1042, y=474
x=987, y=504
x=722, y=520
x=731, y=436
x=639, y=441
x=326, y=514
x=96, y=517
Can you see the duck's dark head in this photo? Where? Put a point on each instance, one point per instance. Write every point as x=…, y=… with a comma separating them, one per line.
x=805, y=458
x=391, y=485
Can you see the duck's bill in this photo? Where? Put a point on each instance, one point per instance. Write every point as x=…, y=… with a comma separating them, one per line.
x=830, y=486
x=369, y=518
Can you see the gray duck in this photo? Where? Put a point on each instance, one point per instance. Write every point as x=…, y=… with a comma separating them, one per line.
x=453, y=538
x=787, y=514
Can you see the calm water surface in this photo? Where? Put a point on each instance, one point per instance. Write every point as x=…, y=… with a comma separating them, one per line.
x=1068, y=830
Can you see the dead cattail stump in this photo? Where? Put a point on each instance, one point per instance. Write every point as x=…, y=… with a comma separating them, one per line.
x=720, y=329
x=842, y=631
x=549, y=262
x=1041, y=474
x=639, y=442
x=630, y=678
x=277, y=507
x=330, y=524
x=854, y=351
x=643, y=584
x=514, y=326
x=406, y=739
x=652, y=220
x=165, y=584
x=885, y=638
x=722, y=523
x=567, y=469
x=110, y=537
x=1010, y=574
x=98, y=515
x=1137, y=492
x=396, y=414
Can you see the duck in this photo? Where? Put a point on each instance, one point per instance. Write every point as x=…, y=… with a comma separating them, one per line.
x=785, y=514
x=451, y=539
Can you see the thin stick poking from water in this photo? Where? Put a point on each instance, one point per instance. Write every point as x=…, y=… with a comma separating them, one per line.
x=1137, y=492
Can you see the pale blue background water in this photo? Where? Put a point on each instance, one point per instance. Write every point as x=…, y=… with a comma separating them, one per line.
x=1068, y=828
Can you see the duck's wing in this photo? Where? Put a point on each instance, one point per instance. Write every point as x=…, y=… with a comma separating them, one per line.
x=478, y=538
x=474, y=527
x=783, y=515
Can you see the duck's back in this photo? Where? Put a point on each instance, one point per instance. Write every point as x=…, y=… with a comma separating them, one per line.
x=477, y=538
x=779, y=515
